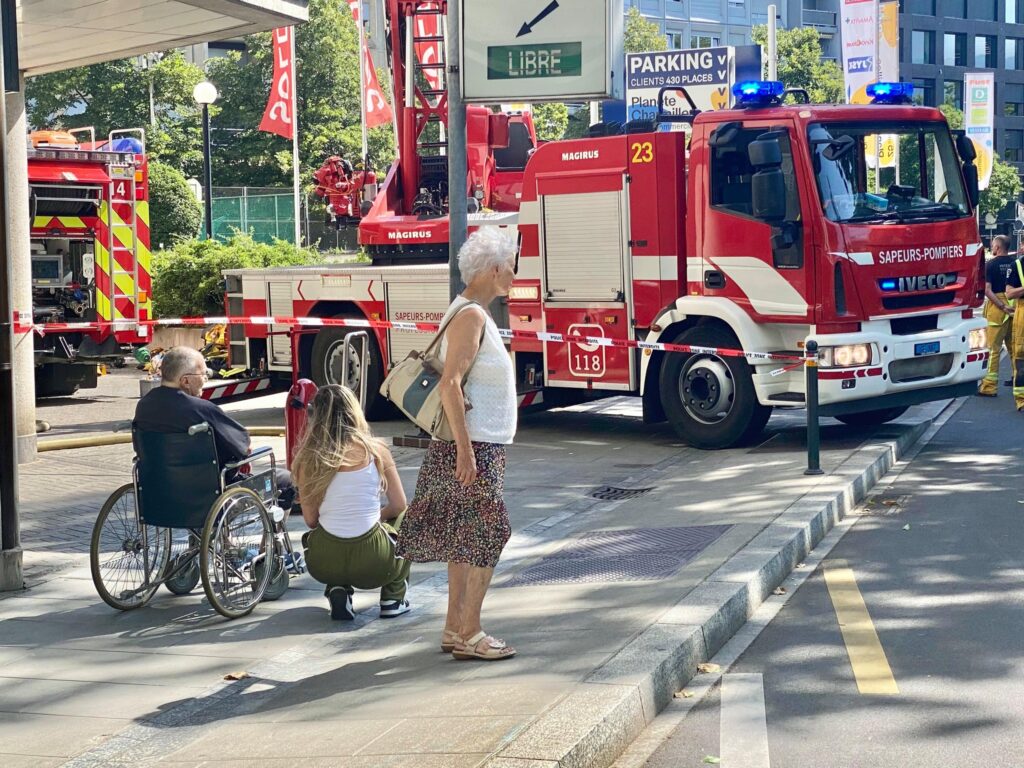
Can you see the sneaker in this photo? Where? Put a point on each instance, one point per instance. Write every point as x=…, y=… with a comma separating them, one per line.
x=341, y=604
x=295, y=562
x=391, y=608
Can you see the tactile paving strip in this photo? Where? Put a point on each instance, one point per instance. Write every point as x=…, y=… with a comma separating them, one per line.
x=630, y=554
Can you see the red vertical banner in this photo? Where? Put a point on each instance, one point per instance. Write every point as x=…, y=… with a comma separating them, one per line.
x=353, y=6
x=279, y=115
x=378, y=111
x=430, y=52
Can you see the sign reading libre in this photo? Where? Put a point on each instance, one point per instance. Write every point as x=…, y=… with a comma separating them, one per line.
x=507, y=62
x=540, y=50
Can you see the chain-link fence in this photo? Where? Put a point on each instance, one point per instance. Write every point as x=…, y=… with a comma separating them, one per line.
x=267, y=213
x=264, y=212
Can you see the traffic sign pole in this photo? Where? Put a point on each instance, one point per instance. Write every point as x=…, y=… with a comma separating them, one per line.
x=457, y=220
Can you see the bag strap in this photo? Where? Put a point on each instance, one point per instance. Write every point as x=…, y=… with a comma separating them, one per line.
x=444, y=327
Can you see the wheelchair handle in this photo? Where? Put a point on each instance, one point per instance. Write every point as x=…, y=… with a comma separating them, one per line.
x=257, y=454
x=195, y=429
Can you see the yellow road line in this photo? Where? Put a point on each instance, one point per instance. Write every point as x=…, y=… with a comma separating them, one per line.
x=870, y=666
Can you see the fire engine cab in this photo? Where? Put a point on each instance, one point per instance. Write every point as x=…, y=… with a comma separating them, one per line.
x=755, y=228
x=90, y=252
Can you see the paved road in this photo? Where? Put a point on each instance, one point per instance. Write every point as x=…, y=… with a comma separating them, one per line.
x=938, y=563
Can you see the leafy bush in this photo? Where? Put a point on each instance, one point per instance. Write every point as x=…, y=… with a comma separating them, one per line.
x=174, y=212
x=188, y=278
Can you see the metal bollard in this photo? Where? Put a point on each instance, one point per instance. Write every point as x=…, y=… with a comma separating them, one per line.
x=813, y=435
x=364, y=361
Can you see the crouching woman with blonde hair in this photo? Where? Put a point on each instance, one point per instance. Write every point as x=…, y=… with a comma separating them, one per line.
x=341, y=470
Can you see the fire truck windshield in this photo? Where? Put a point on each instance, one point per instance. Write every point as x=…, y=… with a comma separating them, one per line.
x=919, y=179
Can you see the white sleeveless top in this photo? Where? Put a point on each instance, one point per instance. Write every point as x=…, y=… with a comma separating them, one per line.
x=490, y=386
x=351, y=506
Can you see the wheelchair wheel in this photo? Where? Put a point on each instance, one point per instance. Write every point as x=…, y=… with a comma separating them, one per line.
x=184, y=556
x=185, y=580
x=278, y=582
x=237, y=530
x=124, y=570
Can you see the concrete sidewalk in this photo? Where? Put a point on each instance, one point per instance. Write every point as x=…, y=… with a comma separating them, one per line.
x=606, y=631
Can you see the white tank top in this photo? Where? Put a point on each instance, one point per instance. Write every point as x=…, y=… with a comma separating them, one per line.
x=490, y=386
x=351, y=506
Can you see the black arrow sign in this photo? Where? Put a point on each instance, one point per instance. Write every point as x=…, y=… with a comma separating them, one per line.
x=527, y=28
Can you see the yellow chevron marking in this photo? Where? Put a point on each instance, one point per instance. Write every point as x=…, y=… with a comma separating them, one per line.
x=142, y=211
x=71, y=222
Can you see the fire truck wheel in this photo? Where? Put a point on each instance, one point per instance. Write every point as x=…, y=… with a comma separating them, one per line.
x=326, y=359
x=710, y=399
x=872, y=418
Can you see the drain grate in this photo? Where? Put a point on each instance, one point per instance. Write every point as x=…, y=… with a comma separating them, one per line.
x=631, y=554
x=611, y=493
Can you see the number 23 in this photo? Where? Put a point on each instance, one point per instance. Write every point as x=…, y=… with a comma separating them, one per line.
x=643, y=152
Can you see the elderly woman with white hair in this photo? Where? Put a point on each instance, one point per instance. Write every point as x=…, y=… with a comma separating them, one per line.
x=458, y=515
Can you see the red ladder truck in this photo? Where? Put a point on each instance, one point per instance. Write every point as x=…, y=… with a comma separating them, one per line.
x=90, y=253
x=403, y=218
x=754, y=228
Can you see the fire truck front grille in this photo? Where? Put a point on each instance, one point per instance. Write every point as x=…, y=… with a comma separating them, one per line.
x=920, y=368
x=936, y=299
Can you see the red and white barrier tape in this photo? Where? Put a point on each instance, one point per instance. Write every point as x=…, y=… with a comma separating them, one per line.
x=327, y=322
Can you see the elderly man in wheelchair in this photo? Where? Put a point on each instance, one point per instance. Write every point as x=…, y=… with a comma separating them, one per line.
x=192, y=515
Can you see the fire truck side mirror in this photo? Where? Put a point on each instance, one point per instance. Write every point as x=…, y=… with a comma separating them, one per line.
x=768, y=185
x=971, y=179
x=965, y=148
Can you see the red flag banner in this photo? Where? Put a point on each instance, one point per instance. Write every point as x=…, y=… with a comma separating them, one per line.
x=278, y=117
x=430, y=52
x=378, y=111
x=354, y=7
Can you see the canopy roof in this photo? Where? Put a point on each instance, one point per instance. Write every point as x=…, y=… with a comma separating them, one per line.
x=60, y=34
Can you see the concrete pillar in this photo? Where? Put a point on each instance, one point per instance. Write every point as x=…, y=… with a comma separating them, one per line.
x=16, y=168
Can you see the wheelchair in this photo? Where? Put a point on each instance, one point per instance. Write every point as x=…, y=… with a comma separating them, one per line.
x=180, y=521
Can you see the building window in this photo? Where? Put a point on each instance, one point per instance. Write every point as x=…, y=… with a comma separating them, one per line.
x=924, y=92
x=956, y=9
x=1014, y=12
x=1013, y=99
x=702, y=40
x=1013, y=57
x=954, y=49
x=674, y=40
x=1013, y=146
x=985, y=51
x=922, y=7
x=953, y=93
x=674, y=8
x=984, y=10
x=922, y=47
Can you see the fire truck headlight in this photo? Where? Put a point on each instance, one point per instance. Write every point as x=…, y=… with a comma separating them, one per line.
x=978, y=339
x=846, y=356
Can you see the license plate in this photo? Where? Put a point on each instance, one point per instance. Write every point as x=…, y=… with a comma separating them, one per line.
x=926, y=348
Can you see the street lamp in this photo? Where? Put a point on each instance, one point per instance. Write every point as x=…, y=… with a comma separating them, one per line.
x=205, y=93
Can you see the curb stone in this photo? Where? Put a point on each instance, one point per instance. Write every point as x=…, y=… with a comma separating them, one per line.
x=593, y=725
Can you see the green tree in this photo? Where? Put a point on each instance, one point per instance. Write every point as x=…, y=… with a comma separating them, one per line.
x=642, y=35
x=1003, y=187
x=551, y=120
x=953, y=116
x=800, y=64
x=115, y=95
x=174, y=212
x=328, y=103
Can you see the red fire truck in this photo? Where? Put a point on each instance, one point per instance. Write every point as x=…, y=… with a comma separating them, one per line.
x=755, y=228
x=90, y=252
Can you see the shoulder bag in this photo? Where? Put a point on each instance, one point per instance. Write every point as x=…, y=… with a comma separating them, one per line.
x=412, y=385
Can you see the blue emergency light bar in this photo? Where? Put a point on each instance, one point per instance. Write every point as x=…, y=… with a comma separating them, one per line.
x=757, y=93
x=891, y=93
x=888, y=284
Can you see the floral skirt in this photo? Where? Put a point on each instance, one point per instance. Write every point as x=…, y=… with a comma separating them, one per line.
x=449, y=522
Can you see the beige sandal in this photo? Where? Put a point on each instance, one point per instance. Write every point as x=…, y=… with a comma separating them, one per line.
x=493, y=650
x=449, y=640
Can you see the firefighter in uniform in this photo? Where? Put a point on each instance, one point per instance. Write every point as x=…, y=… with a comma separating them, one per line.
x=1014, y=291
x=998, y=312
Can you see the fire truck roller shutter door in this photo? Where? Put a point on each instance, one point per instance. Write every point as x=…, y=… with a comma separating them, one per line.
x=326, y=362
x=709, y=400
